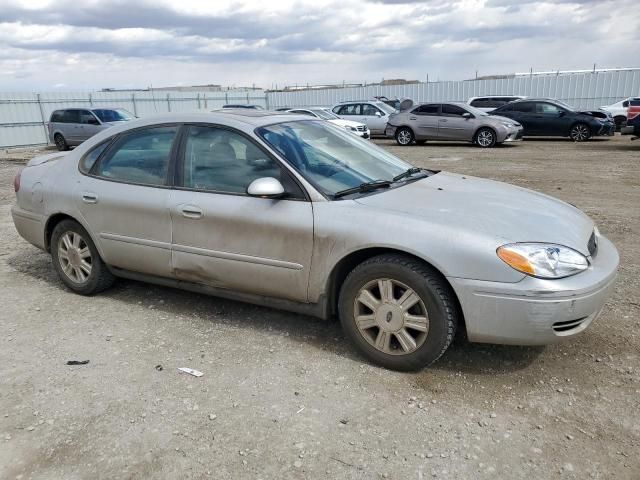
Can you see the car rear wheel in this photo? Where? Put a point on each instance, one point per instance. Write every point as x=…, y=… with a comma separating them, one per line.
x=398, y=312
x=404, y=136
x=77, y=260
x=580, y=132
x=61, y=143
x=485, y=138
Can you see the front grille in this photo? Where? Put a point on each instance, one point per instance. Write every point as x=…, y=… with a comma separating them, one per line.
x=592, y=245
x=362, y=128
x=568, y=325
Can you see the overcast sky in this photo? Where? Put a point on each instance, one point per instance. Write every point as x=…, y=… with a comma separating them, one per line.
x=91, y=44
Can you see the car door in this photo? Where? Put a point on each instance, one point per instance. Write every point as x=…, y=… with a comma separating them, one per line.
x=225, y=238
x=523, y=113
x=424, y=120
x=89, y=125
x=70, y=127
x=550, y=119
x=453, y=126
x=124, y=199
x=374, y=118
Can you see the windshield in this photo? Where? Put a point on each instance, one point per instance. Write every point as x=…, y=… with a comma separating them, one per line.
x=477, y=112
x=386, y=108
x=113, y=115
x=330, y=158
x=324, y=114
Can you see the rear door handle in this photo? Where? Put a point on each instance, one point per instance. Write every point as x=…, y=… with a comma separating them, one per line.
x=191, y=211
x=88, y=197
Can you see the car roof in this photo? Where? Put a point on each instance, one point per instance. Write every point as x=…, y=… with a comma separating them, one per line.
x=359, y=101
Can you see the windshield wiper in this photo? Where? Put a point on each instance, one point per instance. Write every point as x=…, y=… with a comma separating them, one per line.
x=363, y=187
x=407, y=173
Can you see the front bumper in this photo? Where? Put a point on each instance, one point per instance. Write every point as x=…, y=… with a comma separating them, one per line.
x=514, y=135
x=535, y=311
x=607, y=129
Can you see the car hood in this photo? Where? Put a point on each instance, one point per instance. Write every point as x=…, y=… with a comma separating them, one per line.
x=113, y=124
x=505, y=213
x=346, y=123
x=498, y=118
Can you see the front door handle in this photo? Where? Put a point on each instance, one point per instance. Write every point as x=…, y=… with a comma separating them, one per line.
x=191, y=211
x=412, y=118
x=88, y=197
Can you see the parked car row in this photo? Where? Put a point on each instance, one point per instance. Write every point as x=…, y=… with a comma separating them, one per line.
x=485, y=121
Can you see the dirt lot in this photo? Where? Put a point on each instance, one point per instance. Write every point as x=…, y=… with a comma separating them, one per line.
x=283, y=396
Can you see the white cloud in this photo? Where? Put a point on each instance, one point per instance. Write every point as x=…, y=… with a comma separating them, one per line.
x=126, y=43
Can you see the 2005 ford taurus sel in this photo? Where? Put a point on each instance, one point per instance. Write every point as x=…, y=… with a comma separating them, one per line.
x=295, y=213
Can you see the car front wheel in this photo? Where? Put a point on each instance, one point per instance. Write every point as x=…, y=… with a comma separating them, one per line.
x=61, y=143
x=485, y=138
x=580, y=132
x=398, y=312
x=404, y=136
x=77, y=260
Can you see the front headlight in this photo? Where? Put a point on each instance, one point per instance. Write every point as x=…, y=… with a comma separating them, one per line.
x=508, y=125
x=350, y=128
x=543, y=260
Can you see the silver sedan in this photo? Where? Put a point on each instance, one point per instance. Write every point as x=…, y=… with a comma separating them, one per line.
x=298, y=214
x=451, y=121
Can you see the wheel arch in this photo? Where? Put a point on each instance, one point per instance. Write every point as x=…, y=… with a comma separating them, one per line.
x=489, y=127
x=55, y=219
x=346, y=264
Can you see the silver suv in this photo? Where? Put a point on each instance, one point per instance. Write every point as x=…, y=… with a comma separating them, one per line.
x=373, y=114
x=72, y=126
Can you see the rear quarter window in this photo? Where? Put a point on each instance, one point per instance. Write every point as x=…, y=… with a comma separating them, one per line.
x=89, y=159
x=56, y=116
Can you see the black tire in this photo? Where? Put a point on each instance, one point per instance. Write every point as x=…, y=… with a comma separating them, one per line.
x=580, y=132
x=620, y=122
x=420, y=142
x=404, y=136
x=485, y=137
x=99, y=278
x=434, y=294
x=61, y=143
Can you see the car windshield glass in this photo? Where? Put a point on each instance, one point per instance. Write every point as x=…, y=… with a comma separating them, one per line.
x=475, y=111
x=113, y=115
x=329, y=157
x=383, y=106
x=324, y=114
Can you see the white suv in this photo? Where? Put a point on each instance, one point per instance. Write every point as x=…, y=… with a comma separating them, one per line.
x=374, y=114
x=619, y=111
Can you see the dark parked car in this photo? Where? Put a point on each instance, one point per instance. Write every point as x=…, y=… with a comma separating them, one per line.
x=632, y=126
x=552, y=118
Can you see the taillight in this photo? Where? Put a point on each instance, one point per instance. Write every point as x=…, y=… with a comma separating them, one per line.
x=16, y=182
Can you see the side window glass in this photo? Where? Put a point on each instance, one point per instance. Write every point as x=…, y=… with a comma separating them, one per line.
x=479, y=102
x=140, y=157
x=524, y=107
x=87, y=162
x=369, y=110
x=56, y=116
x=71, y=116
x=86, y=117
x=431, y=109
x=452, y=110
x=547, y=108
x=221, y=160
x=353, y=109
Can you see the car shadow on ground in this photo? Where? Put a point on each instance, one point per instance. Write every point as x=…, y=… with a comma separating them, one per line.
x=461, y=356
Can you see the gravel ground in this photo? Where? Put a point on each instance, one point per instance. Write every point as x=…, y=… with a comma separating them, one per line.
x=284, y=397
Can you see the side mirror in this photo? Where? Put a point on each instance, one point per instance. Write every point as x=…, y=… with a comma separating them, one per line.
x=561, y=113
x=266, y=187
x=378, y=114
x=93, y=121
x=467, y=115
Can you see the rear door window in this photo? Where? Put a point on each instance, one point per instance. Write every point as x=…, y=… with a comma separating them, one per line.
x=480, y=103
x=141, y=156
x=523, y=107
x=353, y=109
x=57, y=116
x=430, y=109
x=71, y=116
